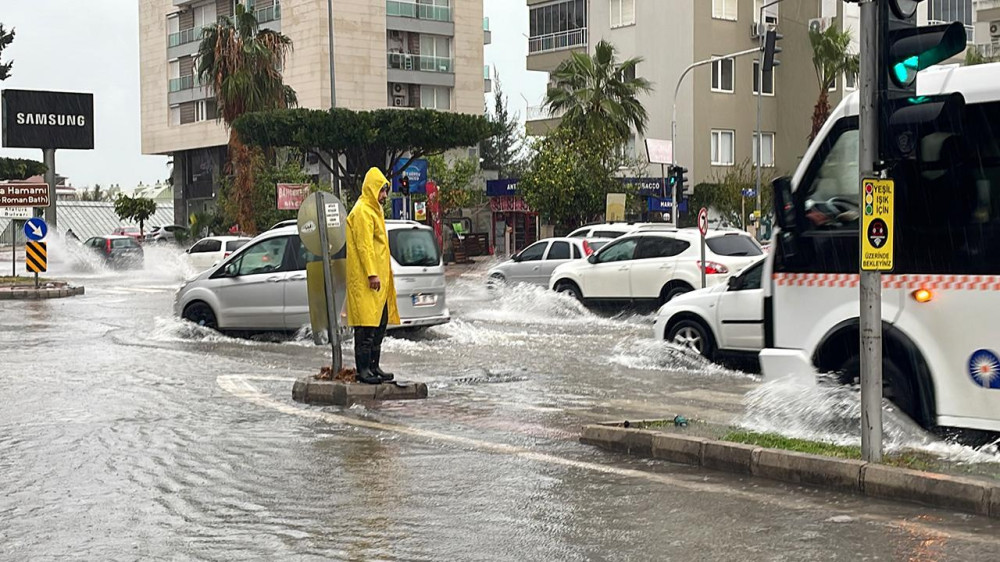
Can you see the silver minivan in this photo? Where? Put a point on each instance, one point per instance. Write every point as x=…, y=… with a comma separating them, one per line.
x=262, y=287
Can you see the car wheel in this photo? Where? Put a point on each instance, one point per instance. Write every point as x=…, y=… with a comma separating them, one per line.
x=669, y=294
x=692, y=335
x=201, y=314
x=896, y=386
x=570, y=289
x=496, y=279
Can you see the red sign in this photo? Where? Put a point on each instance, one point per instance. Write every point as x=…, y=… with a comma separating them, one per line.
x=24, y=195
x=703, y=221
x=508, y=203
x=434, y=206
x=291, y=196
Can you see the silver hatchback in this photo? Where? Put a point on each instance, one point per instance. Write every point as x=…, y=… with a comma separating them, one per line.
x=262, y=287
x=535, y=264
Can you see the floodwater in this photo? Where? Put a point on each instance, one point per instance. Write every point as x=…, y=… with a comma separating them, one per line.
x=126, y=434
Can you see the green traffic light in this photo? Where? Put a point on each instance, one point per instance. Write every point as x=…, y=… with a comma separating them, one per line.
x=906, y=71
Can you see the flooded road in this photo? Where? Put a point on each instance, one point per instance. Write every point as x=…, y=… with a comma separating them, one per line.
x=126, y=434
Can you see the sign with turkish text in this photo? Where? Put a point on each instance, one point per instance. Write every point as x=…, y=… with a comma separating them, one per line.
x=501, y=188
x=659, y=151
x=24, y=195
x=43, y=119
x=416, y=172
x=876, y=224
x=16, y=213
x=291, y=196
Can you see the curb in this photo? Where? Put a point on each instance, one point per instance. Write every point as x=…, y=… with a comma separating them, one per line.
x=31, y=293
x=846, y=475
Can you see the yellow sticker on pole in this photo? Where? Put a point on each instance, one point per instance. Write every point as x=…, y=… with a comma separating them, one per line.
x=876, y=224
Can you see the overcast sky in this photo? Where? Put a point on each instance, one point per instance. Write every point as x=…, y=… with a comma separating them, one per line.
x=93, y=46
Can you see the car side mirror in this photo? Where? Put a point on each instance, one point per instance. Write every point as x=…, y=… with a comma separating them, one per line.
x=592, y=258
x=734, y=283
x=784, y=204
x=231, y=270
x=515, y=258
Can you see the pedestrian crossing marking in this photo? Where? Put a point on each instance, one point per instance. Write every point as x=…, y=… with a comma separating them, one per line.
x=36, y=256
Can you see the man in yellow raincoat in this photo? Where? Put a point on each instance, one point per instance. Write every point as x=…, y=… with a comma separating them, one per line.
x=371, y=293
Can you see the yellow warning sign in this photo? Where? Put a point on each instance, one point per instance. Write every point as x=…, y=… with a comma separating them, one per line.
x=36, y=256
x=876, y=225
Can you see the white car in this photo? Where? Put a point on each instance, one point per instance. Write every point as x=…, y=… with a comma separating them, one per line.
x=653, y=267
x=534, y=264
x=212, y=250
x=615, y=229
x=262, y=287
x=728, y=318
x=168, y=233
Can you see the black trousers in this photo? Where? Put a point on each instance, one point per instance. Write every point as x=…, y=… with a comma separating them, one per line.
x=368, y=342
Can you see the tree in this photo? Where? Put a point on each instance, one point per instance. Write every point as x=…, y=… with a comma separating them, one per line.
x=724, y=194
x=831, y=58
x=20, y=169
x=135, y=209
x=500, y=152
x=570, y=176
x=974, y=56
x=285, y=168
x=381, y=138
x=598, y=94
x=242, y=63
x=454, y=182
x=6, y=38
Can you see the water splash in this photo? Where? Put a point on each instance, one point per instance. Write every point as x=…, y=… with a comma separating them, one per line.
x=658, y=355
x=832, y=413
x=172, y=330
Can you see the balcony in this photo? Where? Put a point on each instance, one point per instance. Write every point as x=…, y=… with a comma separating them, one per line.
x=182, y=83
x=557, y=41
x=184, y=36
x=423, y=63
x=487, y=79
x=487, y=34
x=402, y=9
x=540, y=121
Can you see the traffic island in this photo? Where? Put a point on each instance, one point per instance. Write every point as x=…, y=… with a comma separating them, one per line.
x=23, y=288
x=343, y=390
x=641, y=439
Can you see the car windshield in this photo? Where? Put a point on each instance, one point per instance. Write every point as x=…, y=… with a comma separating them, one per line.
x=414, y=247
x=597, y=244
x=733, y=245
x=233, y=245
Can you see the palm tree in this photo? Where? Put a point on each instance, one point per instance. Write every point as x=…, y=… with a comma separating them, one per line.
x=599, y=92
x=831, y=58
x=242, y=63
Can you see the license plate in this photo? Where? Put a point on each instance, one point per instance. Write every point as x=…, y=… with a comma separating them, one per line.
x=425, y=300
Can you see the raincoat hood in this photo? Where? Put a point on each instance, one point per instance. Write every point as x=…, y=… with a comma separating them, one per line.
x=374, y=182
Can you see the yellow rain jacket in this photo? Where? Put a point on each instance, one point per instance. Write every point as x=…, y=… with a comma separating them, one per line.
x=368, y=254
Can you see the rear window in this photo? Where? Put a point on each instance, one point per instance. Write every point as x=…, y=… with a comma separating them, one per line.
x=597, y=244
x=414, y=247
x=233, y=245
x=733, y=245
x=123, y=243
x=608, y=233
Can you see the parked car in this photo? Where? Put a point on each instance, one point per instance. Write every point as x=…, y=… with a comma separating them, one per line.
x=727, y=317
x=212, y=250
x=169, y=233
x=286, y=222
x=130, y=231
x=616, y=229
x=534, y=264
x=262, y=286
x=651, y=268
x=117, y=251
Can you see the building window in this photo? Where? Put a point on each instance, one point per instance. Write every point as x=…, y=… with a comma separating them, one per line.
x=947, y=11
x=724, y=9
x=850, y=81
x=722, y=148
x=766, y=150
x=770, y=12
x=768, y=80
x=435, y=97
x=175, y=115
x=833, y=84
x=622, y=13
x=560, y=25
x=722, y=75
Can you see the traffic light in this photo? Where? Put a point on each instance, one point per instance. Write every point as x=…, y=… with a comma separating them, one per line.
x=676, y=178
x=404, y=185
x=905, y=50
x=771, y=48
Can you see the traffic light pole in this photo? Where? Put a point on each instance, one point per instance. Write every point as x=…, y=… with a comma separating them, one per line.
x=871, y=281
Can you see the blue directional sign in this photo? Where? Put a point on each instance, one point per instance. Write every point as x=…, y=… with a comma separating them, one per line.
x=35, y=229
x=750, y=192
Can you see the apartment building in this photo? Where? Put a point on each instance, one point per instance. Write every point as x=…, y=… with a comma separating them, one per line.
x=986, y=24
x=716, y=105
x=386, y=53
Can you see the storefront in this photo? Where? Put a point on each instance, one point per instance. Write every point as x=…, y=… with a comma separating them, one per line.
x=514, y=225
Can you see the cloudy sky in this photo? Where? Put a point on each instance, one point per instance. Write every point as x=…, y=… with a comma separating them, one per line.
x=93, y=46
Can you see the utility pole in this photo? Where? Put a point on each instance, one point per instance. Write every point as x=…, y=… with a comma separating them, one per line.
x=49, y=159
x=871, y=281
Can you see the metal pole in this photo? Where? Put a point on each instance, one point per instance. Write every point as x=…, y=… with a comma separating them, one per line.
x=871, y=281
x=332, y=324
x=49, y=158
x=703, y=280
x=760, y=91
x=333, y=81
x=13, y=248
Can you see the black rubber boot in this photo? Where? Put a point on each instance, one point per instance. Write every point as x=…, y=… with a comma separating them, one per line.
x=386, y=377
x=363, y=356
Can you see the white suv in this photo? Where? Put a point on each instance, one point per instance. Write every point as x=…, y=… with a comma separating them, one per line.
x=652, y=267
x=616, y=229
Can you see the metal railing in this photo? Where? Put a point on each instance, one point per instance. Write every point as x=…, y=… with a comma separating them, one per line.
x=542, y=113
x=557, y=41
x=265, y=15
x=183, y=36
x=426, y=63
x=184, y=83
x=420, y=11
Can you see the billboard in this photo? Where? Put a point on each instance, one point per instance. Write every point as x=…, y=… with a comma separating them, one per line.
x=416, y=172
x=291, y=195
x=43, y=119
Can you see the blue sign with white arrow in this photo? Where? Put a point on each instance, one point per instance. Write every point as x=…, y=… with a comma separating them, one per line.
x=35, y=229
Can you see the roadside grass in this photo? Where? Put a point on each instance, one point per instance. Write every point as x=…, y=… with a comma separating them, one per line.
x=906, y=459
x=8, y=280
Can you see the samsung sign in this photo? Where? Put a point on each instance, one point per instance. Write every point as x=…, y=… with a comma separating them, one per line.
x=40, y=119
